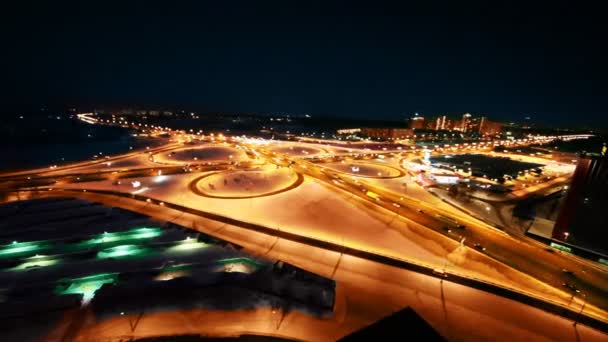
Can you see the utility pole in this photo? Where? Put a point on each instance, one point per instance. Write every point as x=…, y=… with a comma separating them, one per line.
x=582, y=308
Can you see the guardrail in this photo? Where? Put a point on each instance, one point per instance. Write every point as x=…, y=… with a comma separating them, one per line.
x=521, y=296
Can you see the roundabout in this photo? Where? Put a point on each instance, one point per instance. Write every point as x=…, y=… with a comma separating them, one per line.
x=366, y=170
x=200, y=153
x=242, y=184
x=298, y=151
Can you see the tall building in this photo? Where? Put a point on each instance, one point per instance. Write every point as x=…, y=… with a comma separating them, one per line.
x=482, y=122
x=583, y=220
x=440, y=122
x=465, y=124
x=417, y=122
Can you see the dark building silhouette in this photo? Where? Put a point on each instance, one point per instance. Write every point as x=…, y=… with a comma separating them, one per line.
x=583, y=221
x=403, y=325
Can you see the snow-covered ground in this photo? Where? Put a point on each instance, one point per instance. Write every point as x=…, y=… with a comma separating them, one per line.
x=296, y=150
x=316, y=210
x=363, y=169
x=207, y=152
x=312, y=209
x=256, y=182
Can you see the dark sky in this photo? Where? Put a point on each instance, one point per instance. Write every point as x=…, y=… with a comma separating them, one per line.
x=351, y=59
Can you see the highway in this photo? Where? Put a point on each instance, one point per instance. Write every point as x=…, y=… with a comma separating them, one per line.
x=546, y=266
x=528, y=258
x=511, y=253
x=448, y=307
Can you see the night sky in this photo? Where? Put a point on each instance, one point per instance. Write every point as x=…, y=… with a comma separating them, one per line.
x=346, y=59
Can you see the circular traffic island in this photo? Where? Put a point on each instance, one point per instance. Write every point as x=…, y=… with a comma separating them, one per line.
x=297, y=151
x=201, y=154
x=260, y=182
x=366, y=169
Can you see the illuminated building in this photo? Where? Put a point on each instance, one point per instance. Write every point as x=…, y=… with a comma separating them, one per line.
x=490, y=128
x=465, y=123
x=444, y=178
x=417, y=122
x=388, y=133
x=348, y=131
x=440, y=122
x=486, y=127
x=583, y=219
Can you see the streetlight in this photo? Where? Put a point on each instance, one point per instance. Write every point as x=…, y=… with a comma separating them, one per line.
x=582, y=308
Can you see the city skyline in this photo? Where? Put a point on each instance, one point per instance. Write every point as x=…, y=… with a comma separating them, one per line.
x=303, y=171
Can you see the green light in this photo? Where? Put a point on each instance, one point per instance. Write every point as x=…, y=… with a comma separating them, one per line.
x=87, y=286
x=19, y=248
x=180, y=267
x=120, y=237
x=187, y=245
x=121, y=251
x=143, y=229
x=561, y=247
x=37, y=256
x=36, y=261
x=133, y=234
x=145, y=235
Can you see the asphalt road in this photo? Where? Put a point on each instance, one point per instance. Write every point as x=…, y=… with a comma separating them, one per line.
x=528, y=258
x=531, y=259
x=367, y=290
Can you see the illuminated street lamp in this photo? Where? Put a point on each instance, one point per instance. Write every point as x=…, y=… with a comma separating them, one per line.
x=582, y=308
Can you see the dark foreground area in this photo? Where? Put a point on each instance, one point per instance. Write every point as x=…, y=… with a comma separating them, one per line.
x=64, y=254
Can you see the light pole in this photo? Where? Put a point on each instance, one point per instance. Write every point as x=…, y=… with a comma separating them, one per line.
x=457, y=248
x=582, y=308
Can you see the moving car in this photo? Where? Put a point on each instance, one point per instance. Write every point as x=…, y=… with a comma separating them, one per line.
x=479, y=247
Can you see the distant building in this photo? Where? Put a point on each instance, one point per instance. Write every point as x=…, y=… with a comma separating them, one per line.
x=417, y=122
x=466, y=123
x=388, y=133
x=438, y=127
x=442, y=123
x=476, y=125
x=348, y=130
x=583, y=220
x=487, y=127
